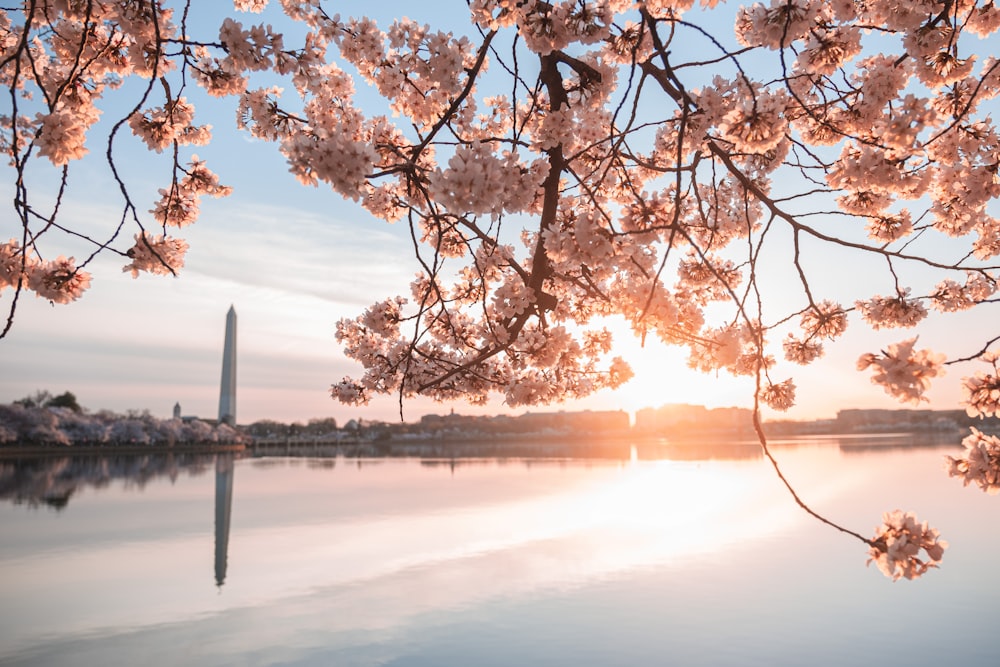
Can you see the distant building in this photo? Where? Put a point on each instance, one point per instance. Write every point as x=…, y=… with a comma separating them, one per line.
x=177, y=410
x=901, y=420
x=684, y=419
x=587, y=421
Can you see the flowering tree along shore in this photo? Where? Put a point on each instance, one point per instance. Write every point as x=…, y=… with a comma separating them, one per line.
x=561, y=164
x=56, y=426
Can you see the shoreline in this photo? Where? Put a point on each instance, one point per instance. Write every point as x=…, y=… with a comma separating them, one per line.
x=40, y=451
x=456, y=445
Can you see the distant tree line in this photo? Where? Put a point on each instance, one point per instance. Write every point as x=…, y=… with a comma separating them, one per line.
x=265, y=428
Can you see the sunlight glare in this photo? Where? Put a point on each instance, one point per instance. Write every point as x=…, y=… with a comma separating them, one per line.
x=680, y=508
x=663, y=377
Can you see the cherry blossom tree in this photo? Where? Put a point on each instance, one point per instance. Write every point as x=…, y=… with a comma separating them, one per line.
x=57, y=427
x=559, y=165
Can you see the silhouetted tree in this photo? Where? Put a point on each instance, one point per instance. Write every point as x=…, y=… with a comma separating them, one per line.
x=64, y=400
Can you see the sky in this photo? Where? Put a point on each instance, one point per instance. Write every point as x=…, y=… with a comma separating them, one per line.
x=293, y=260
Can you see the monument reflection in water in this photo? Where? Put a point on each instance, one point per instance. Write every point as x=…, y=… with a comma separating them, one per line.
x=223, y=512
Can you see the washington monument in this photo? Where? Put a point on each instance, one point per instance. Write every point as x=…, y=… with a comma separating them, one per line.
x=227, y=392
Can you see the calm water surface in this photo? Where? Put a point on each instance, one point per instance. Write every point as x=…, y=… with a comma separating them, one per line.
x=687, y=555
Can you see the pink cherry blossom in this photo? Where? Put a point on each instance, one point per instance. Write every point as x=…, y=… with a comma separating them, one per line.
x=780, y=396
x=899, y=311
x=897, y=545
x=982, y=390
x=801, y=351
x=163, y=126
x=902, y=371
x=979, y=464
x=58, y=280
x=156, y=254
x=61, y=137
x=826, y=319
x=15, y=264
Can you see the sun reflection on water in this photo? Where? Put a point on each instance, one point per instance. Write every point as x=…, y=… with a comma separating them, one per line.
x=325, y=555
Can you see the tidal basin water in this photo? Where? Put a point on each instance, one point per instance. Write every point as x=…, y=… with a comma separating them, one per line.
x=680, y=555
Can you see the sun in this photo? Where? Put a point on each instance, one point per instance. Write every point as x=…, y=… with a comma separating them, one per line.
x=662, y=377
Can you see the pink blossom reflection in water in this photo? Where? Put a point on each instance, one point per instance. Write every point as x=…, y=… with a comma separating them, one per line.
x=699, y=559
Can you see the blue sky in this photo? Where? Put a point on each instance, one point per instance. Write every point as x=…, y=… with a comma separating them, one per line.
x=293, y=260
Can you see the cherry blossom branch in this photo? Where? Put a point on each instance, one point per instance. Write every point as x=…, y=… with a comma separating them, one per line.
x=762, y=439
x=977, y=355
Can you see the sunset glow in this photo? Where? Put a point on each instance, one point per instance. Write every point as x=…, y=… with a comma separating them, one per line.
x=662, y=376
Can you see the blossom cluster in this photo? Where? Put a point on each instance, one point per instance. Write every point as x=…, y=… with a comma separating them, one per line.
x=780, y=395
x=58, y=280
x=949, y=295
x=979, y=464
x=479, y=182
x=982, y=390
x=179, y=205
x=826, y=319
x=899, y=311
x=902, y=371
x=897, y=543
x=169, y=125
x=156, y=254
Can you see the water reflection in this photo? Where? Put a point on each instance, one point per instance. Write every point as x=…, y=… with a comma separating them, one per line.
x=52, y=481
x=638, y=497
x=526, y=451
x=666, y=556
x=900, y=442
x=223, y=512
